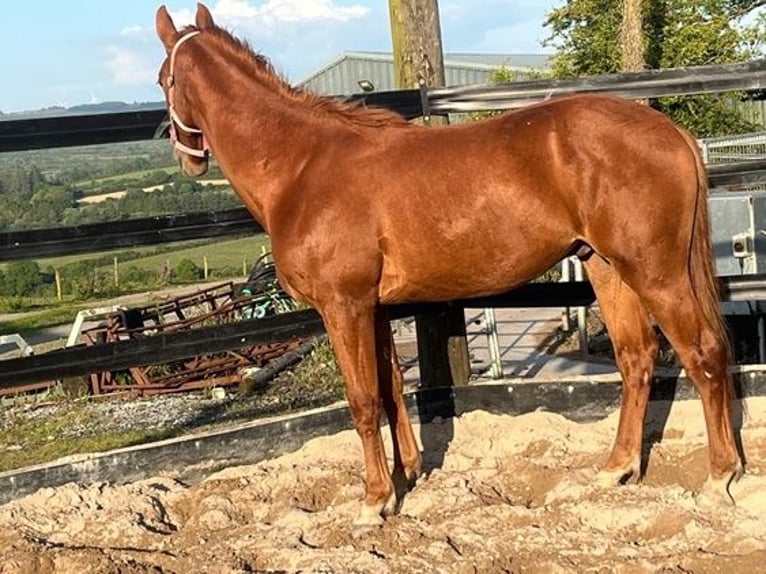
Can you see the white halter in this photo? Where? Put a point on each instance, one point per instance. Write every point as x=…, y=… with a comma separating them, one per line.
x=175, y=120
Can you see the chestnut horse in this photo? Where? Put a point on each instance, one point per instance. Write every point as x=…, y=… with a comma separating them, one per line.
x=364, y=210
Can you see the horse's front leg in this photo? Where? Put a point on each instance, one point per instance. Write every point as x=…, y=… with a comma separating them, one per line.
x=351, y=327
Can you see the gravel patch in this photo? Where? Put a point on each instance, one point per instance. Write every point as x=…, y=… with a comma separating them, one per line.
x=313, y=383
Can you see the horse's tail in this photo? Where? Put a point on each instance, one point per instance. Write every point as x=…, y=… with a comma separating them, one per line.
x=701, y=262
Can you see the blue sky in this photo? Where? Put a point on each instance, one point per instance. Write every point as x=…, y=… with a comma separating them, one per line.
x=80, y=51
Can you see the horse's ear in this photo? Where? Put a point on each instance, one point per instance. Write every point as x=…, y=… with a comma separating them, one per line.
x=204, y=19
x=166, y=30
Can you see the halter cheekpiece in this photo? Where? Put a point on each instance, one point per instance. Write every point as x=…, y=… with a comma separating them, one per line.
x=175, y=121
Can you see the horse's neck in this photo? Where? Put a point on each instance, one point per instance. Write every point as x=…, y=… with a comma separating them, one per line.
x=259, y=141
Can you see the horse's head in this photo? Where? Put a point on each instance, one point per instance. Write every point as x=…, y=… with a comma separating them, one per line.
x=189, y=143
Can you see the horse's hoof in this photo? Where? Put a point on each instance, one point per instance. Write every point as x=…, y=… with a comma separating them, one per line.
x=608, y=478
x=714, y=495
x=372, y=516
x=715, y=492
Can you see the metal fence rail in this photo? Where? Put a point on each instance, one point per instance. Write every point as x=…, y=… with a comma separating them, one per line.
x=727, y=149
x=750, y=76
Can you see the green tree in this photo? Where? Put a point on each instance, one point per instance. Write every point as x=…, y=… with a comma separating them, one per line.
x=677, y=33
x=84, y=280
x=47, y=206
x=22, y=279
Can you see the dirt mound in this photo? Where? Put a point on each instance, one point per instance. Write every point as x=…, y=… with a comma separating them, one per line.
x=504, y=494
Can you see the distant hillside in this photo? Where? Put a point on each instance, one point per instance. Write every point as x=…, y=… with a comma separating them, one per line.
x=84, y=109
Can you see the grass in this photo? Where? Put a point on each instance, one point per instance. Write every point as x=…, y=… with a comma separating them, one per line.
x=62, y=314
x=150, y=250
x=87, y=184
x=220, y=253
x=25, y=442
x=228, y=254
x=224, y=253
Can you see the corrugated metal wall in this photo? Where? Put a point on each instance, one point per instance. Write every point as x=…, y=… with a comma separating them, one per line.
x=341, y=76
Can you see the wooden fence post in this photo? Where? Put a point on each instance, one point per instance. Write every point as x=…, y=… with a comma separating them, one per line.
x=57, y=275
x=419, y=62
x=442, y=348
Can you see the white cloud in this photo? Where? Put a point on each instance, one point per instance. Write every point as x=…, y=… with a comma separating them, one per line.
x=298, y=10
x=127, y=67
x=132, y=31
x=245, y=12
x=182, y=17
x=235, y=10
x=282, y=28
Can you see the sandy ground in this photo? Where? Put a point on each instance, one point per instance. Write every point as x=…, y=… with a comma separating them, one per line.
x=503, y=494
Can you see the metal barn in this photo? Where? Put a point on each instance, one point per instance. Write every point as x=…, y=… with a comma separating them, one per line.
x=342, y=76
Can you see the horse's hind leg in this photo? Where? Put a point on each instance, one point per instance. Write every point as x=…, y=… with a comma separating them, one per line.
x=704, y=354
x=635, y=347
x=407, y=460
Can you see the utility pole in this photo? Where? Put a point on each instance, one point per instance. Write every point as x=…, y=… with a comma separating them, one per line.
x=419, y=63
x=632, y=37
x=417, y=43
x=632, y=57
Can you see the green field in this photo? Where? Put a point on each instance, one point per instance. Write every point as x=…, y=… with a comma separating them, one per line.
x=131, y=175
x=235, y=256
x=220, y=253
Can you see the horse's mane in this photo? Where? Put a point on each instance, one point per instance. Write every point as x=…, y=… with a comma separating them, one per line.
x=349, y=112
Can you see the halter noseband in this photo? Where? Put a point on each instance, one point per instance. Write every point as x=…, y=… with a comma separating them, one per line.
x=175, y=121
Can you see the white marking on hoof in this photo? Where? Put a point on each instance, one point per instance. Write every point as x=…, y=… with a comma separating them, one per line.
x=369, y=516
x=606, y=478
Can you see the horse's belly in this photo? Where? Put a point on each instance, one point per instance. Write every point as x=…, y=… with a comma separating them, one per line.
x=453, y=258
x=429, y=280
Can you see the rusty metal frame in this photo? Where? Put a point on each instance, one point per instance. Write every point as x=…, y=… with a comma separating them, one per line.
x=214, y=305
